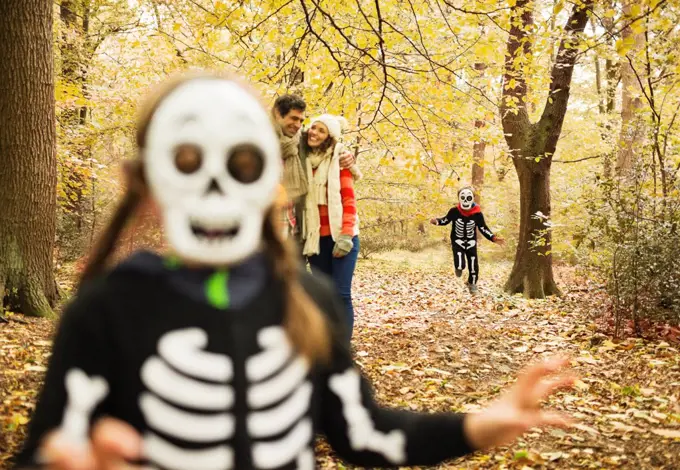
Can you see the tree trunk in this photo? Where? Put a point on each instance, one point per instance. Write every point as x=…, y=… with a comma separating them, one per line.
x=28, y=173
x=478, y=165
x=532, y=272
x=611, y=72
x=71, y=55
x=598, y=85
x=73, y=72
x=611, y=67
x=478, y=153
x=631, y=125
x=533, y=145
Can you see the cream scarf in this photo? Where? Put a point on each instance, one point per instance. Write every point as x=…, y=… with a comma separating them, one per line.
x=324, y=189
x=294, y=178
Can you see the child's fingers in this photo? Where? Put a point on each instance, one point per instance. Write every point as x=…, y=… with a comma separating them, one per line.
x=58, y=453
x=115, y=443
x=553, y=419
x=545, y=388
x=531, y=376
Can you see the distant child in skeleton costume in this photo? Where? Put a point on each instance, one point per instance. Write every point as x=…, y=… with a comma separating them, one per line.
x=466, y=219
x=226, y=353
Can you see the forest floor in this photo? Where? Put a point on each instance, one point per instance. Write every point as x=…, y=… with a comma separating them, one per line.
x=426, y=344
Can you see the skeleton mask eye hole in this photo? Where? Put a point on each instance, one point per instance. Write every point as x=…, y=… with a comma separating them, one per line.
x=245, y=163
x=188, y=158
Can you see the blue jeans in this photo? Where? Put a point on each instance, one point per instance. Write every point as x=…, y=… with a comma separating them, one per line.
x=341, y=270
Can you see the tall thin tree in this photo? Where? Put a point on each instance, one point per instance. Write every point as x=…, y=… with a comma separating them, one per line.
x=478, y=149
x=631, y=126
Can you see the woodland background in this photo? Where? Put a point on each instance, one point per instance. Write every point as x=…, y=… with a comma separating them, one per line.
x=563, y=115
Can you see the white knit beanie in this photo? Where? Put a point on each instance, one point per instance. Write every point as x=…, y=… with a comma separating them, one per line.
x=335, y=124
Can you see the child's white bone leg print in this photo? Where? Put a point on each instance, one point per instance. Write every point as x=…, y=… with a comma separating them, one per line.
x=362, y=433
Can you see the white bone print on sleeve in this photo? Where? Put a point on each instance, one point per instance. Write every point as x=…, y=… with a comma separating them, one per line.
x=361, y=430
x=84, y=394
x=279, y=376
x=171, y=377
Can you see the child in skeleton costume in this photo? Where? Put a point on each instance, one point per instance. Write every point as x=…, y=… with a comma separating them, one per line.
x=466, y=219
x=225, y=354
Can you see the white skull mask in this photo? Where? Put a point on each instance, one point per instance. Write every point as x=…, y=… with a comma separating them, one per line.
x=212, y=161
x=466, y=199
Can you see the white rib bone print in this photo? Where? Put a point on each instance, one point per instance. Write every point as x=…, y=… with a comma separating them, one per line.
x=460, y=229
x=182, y=350
x=279, y=376
x=470, y=229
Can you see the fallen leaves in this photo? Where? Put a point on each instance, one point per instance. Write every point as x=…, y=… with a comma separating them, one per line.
x=669, y=433
x=427, y=345
x=24, y=350
x=624, y=399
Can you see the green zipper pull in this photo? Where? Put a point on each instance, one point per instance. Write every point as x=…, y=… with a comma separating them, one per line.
x=217, y=290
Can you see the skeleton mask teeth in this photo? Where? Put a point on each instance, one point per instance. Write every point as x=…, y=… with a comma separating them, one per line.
x=207, y=227
x=217, y=235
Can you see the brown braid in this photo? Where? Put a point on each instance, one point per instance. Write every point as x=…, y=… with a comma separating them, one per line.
x=304, y=323
x=106, y=243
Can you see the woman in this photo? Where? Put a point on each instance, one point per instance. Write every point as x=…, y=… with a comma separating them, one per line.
x=331, y=223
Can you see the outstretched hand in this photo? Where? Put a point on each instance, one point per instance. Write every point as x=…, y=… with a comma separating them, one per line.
x=114, y=444
x=500, y=241
x=433, y=221
x=519, y=409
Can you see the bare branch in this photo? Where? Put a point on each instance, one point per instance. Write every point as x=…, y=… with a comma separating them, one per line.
x=267, y=18
x=602, y=155
x=381, y=43
x=550, y=124
x=321, y=40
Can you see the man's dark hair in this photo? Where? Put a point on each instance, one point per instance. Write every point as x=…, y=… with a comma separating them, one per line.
x=285, y=103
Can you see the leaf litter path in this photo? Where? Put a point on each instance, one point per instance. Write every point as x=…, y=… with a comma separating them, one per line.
x=427, y=344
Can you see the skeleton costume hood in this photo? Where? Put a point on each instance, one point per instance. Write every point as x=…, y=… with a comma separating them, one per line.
x=197, y=360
